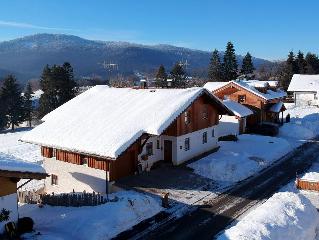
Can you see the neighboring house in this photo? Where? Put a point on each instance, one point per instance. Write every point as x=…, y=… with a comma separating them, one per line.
x=305, y=89
x=264, y=98
x=234, y=125
x=11, y=171
x=120, y=131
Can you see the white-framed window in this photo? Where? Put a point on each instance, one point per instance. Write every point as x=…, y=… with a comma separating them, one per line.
x=204, y=137
x=187, y=144
x=149, y=148
x=158, y=144
x=187, y=118
x=213, y=132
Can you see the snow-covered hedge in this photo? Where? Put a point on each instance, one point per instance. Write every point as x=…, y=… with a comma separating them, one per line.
x=285, y=215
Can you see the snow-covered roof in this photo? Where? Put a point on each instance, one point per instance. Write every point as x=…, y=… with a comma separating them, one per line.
x=304, y=83
x=261, y=84
x=238, y=109
x=37, y=94
x=276, y=108
x=270, y=94
x=105, y=121
x=10, y=163
x=212, y=86
x=311, y=176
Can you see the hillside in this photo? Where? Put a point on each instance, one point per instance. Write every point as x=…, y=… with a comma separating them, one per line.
x=28, y=55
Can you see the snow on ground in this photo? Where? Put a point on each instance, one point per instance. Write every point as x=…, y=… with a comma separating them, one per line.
x=10, y=145
x=285, y=215
x=235, y=161
x=304, y=124
x=99, y=222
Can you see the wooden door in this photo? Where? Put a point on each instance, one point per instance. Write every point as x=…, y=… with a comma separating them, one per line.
x=168, y=150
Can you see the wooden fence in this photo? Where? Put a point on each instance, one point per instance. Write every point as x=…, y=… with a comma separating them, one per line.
x=65, y=199
x=307, y=184
x=73, y=199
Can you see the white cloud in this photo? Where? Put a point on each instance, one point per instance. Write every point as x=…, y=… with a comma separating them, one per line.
x=31, y=26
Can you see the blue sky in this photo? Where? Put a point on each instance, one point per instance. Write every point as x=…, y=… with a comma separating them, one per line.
x=268, y=29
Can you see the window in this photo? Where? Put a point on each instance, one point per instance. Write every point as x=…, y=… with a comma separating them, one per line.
x=54, y=152
x=84, y=161
x=187, y=118
x=149, y=148
x=204, y=137
x=242, y=98
x=187, y=145
x=213, y=132
x=158, y=144
x=54, y=179
x=205, y=113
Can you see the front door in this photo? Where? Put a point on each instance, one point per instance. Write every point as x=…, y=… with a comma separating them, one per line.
x=168, y=150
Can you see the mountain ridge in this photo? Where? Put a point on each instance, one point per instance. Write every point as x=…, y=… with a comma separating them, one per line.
x=29, y=54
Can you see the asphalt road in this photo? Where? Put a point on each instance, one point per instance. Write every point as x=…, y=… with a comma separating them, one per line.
x=217, y=214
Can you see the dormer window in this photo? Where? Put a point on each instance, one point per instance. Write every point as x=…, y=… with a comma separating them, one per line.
x=187, y=118
x=242, y=98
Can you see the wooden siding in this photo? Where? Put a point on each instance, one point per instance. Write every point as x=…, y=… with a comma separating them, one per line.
x=7, y=186
x=307, y=185
x=233, y=93
x=46, y=152
x=202, y=115
x=126, y=164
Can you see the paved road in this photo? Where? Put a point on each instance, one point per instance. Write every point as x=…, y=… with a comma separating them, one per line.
x=209, y=220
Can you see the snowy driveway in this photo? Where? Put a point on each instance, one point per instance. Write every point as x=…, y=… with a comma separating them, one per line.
x=180, y=182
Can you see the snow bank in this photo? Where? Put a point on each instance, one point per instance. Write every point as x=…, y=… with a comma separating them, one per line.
x=99, y=222
x=284, y=216
x=291, y=130
x=304, y=124
x=236, y=161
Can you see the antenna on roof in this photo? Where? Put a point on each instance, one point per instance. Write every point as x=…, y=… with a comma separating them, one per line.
x=183, y=64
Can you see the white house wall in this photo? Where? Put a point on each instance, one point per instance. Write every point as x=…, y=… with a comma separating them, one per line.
x=72, y=176
x=306, y=98
x=197, y=146
x=228, y=125
x=179, y=155
x=9, y=202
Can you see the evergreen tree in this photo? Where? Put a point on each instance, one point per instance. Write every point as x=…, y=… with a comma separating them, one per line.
x=312, y=63
x=161, y=77
x=301, y=63
x=230, y=63
x=215, y=68
x=247, y=66
x=58, y=86
x=28, y=108
x=289, y=69
x=12, y=100
x=179, y=76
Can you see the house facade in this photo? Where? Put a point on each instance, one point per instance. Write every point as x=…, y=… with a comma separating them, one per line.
x=11, y=171
x=305, y=89
x=147, y=126
x=262, y=97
